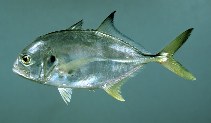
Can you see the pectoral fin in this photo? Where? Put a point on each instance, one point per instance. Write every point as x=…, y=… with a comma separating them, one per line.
x=115, y=91
x=74, y=65
x=66, y=94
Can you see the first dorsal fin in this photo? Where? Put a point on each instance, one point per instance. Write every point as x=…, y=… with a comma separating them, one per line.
x=76, y=26
x=115, y=90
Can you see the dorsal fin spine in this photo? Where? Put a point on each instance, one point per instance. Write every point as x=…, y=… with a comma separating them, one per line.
x=76, y=26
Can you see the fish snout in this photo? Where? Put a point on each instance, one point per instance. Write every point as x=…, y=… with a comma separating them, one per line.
x=18, y=68
x=15, y=66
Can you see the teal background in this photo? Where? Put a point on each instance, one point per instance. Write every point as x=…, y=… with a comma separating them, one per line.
x=152, y=96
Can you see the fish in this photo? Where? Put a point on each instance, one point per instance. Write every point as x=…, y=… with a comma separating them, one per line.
x=102, y=58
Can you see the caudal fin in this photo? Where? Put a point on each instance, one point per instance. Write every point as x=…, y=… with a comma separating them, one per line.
x=167, y=60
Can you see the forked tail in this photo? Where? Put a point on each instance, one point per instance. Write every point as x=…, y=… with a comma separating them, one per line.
x=165, y=56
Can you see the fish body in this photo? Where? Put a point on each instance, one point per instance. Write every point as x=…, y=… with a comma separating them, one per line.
x=102, y=58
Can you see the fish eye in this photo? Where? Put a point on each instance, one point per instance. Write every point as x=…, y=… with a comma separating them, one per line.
x=26, y=59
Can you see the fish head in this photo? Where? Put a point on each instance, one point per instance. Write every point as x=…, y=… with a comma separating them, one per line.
x=31, y=62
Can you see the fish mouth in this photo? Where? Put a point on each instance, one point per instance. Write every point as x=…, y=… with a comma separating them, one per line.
x=20, y=72
x=16, y=69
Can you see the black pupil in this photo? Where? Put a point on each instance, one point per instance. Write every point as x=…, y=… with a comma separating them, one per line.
x=53, y=59
x=26, y=58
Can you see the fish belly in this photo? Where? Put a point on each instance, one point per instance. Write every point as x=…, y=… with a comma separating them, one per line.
x=99, y=73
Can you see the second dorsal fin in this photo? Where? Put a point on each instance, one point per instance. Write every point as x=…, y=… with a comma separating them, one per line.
x=107, y=26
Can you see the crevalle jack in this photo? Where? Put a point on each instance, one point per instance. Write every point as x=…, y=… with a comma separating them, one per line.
x=98, y=58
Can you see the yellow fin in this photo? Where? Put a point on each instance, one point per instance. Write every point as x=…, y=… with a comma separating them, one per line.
x=115, y=91
x=169, y=62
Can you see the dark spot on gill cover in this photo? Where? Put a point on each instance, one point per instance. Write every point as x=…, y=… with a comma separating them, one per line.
x=52, y=59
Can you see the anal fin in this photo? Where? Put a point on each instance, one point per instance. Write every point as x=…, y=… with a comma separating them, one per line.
x=115, y=90
x=66, y=94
